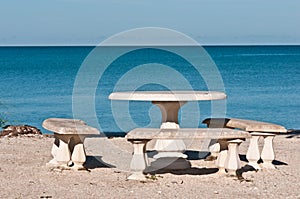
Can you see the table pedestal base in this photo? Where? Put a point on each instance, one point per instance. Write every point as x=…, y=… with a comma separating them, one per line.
x=170, y=152
x=170, y=155
x=170, y=148
x=170, y=163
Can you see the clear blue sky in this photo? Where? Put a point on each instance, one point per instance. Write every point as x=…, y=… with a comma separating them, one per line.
x=69, y=22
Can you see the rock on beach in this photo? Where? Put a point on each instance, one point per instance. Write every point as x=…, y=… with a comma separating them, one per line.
x=11, y=130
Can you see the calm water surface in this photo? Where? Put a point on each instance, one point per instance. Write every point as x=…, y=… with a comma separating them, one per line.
x=261, y=82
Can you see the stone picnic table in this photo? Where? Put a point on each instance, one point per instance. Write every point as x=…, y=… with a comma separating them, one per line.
x=169, y=103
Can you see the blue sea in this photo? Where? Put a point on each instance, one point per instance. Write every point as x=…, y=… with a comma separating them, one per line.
x=36, y=83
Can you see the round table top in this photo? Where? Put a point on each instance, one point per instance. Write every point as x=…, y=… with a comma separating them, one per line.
x=167, y=95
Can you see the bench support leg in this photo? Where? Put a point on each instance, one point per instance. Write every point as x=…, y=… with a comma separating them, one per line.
x=214, y=150
x=54, y=152
x=67, y=148
x=138, y=162
x=220, y=162
x=78, y=155
x=232, y=162
x=63, y=155
x=253, y=152
x=267, y=153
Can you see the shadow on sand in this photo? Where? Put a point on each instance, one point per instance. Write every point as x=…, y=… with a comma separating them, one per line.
x=192, y=155
x=93, y=162
x=293, y=133
x=247, y=168
x=196, y=155
x=275, y=162
x=190, y=171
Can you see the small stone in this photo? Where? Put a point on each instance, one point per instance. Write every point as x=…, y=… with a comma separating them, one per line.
x=159, y=192
x=56, y=170
x=216, y=192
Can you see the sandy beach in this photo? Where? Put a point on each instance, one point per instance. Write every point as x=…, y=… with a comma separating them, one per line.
x=24, y=174
x=171, y=67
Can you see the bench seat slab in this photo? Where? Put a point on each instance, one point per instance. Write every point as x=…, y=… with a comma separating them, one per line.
x=229, y=138
x=69, y=136
x=184, y=133
x=257, y=129
x=246, y=125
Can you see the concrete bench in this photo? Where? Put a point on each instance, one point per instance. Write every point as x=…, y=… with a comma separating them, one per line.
x=229, y=140
x=257, y=129
x=68, y=148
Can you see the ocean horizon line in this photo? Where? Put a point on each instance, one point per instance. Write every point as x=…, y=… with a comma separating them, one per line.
x=151, y=45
